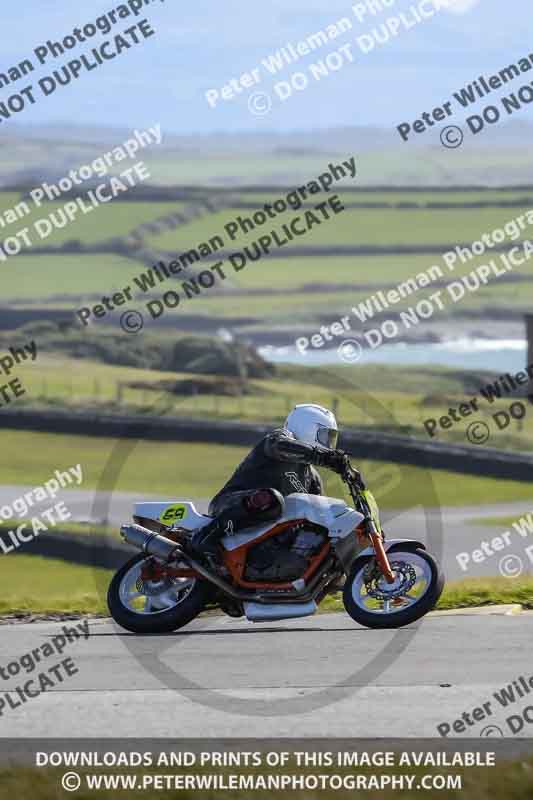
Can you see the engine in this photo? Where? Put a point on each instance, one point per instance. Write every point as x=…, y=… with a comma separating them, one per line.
x=284, y=557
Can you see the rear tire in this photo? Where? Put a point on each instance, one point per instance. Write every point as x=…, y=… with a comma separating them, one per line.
x=402, y=617
x=164, y=621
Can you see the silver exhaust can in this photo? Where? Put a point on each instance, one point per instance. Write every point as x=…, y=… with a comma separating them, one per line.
x=149, y=542
x=260, y=612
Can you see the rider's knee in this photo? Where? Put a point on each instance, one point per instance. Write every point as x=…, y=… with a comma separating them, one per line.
x=265, y=504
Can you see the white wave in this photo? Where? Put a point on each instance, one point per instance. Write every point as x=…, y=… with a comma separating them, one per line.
x=467, y=345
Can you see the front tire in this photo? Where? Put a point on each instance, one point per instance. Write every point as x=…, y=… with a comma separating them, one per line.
x=402, y=608
x=178, y=602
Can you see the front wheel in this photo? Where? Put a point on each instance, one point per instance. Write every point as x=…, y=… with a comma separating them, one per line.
x=374, y=603
x=162, y=605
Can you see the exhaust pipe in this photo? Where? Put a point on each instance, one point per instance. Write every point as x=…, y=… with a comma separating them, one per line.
x=157, y=545
x=149, y=542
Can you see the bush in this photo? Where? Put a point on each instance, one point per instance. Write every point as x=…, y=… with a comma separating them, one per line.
x=196, y=354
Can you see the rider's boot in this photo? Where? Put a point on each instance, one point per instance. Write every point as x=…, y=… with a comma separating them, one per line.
x=206, y=540
x=257, y=506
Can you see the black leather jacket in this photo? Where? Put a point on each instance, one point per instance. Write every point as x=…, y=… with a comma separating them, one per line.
x=277, y=462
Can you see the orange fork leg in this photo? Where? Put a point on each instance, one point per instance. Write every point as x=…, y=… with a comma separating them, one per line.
x=381, y=557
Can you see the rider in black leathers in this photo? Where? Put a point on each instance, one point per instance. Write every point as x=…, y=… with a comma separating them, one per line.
x=283, y=462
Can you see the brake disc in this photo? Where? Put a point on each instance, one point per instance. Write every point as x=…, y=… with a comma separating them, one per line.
x=373, y=579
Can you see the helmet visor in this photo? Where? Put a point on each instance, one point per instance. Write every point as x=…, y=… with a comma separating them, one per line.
x=327, y=437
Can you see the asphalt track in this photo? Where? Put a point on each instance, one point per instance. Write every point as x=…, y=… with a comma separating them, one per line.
x=318, y=677
x=447, y=531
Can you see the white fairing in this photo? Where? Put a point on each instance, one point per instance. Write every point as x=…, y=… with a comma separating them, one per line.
x=188, y=516
x=332, y=513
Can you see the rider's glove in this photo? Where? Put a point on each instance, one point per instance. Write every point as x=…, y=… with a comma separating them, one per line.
x=337, y=460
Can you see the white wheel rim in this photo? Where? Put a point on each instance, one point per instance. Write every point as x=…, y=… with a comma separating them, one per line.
x=169, y=598
x=414, y=595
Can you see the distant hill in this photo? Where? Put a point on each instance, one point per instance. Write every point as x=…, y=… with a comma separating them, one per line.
x=499, y=156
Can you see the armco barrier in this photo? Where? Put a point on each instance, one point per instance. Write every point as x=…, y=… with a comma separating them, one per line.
x=360, y=443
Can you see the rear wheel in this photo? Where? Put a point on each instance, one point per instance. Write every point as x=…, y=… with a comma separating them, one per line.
x=154, y=606
x=374, y=603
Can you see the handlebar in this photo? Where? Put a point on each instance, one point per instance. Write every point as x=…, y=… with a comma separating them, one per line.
x=352, y=476
x=354, y=480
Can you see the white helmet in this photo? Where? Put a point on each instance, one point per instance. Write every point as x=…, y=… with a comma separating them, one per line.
x=313, y=425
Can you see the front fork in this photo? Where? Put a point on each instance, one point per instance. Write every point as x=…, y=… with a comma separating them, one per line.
x=376, y=537
x=370, y=529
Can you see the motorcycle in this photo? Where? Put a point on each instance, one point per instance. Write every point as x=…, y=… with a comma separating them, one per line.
x=276, y=571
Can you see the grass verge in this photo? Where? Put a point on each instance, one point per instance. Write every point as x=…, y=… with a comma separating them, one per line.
x=38, y=585
x=470, y=593
x=45, y=585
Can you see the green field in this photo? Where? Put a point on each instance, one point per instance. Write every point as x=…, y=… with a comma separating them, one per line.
x=352, y=227
x=104, y=222
x=60, y=280
x=373, y=227
x=68, y=281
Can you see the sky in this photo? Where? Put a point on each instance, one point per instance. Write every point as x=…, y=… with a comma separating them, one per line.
x=201, y=46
